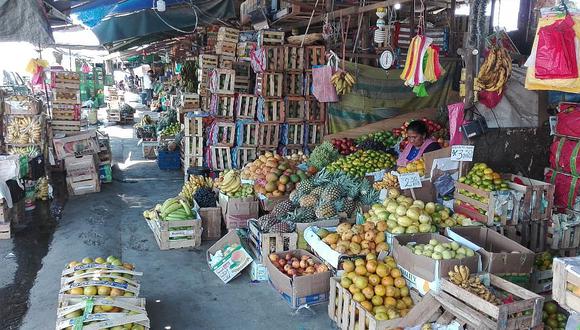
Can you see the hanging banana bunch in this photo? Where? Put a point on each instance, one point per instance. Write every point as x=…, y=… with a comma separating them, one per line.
x=495, y=71
x=343, y=82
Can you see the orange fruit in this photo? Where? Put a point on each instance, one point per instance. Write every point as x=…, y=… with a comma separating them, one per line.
x=390, y=301
x=387, y=281
x=408, y=301
x=382, y=270
x=404, y=291
x=390, y=291
x=374, y=279
x=400, y=282
x=395, y=273
x=368, y=292
x=367, y=305
x=360, y=270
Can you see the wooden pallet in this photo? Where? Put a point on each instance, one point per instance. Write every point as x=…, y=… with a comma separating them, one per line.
x=223, y=134
x=193, y=146
x=270, y=38
x=294, y=58
x=315, y=111
x=244, y=49
x=189, y=101
x=65, y=126
x=269, y=84
x=249, y=134
x=269, y=135
x=226, y=48
x=226, y=62
x=315, y=133
x=273, y=111
x=294, y=83
x=228, y=34
x=226, y=79
x=262, y=244
x=295, y=109
x=541, y=281
x=566, y=275
x=274, y=58
x=246, y=155
x=193, y=126
x=246, y=106
x=538, y=199
x=225, y=106
x=221, y=158
x=315, y=55
x=295, y=133
x=167, y=238
x=503, y=316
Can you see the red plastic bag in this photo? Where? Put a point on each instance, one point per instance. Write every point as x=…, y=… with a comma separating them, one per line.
x=556, y=52
x=566, y=188
x=322, y=87
x=489, y=99
x=569, y=122
x=564, y=156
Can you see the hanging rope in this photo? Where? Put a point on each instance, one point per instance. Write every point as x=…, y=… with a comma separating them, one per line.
x=308, y=26
x=344, y=36
x=421, y=18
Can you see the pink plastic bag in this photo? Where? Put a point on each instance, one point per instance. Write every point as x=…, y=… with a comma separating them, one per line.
x=455, y=112
x=569, y=120
x=556, y=52
x=322, y=87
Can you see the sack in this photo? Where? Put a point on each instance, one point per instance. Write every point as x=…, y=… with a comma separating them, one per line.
x=556, y=53
x=569, y=120
x=322, y=87
x=564, y=156
x=566, y=188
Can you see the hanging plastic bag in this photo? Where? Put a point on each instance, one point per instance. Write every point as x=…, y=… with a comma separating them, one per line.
x=556, y=53
x=489, y=99
x=322, y=87
x=455, y=112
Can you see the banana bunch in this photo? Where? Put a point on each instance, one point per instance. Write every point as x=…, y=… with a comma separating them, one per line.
x=171, y=130
x=195, y=182
x=29, y=151
x=174, y=209
x=495, y=71
x=388, y=181
x=343, y=82
x=232, y=182
x=460, y=276
x=42, y=189
x=152, y=214
x=23, y=130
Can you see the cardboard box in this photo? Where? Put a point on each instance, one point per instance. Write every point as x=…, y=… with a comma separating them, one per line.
x=424, y=273
x=258, y=272
x=233, y=262
x=268, y=204
x=426, y=193
x=211, y=218
x=497, y=251
x=76, y=145
x=238, y=206
x=234, y=222
x=322, y=249
x=300, y=290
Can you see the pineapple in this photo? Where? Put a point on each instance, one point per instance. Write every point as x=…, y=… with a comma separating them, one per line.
x=294, y=197
x=304, y=187
x=317, y=191
x=308, y=200
x=302, y=215
x=282, y=208
x=352, y=191
x=282, y=227
x=325, y=210
x=331, y=193
x=309, y=214
x=267, y=221
x=322, y=178
x=369, y=197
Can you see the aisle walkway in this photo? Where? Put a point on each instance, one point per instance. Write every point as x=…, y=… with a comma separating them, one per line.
x=181, y=291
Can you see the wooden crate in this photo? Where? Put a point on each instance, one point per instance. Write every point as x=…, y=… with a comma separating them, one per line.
x=205, y=102
x=244, y=49
x=134, y=312
x=189, y=101
x=228, y=34
x=246, y=106
x=269, y=84
x=222, y=134
x=294, y=58
x=315, y=55
x=541, y=281
x=248, y=135
x=268, y=149
x=112, y=116
x=225, y=48
x=221, y=158
x=66, y=112
x=273, y=111
x=203, y=86
x=502, y=316
x=67, y=126
x=566, y=274
x=270, y=38
x=294, y=83
x=262, y=244
x=225, y=106
x=193, y=126
x=191, y=161
x=293, y=149
x=315, y=111
x=315, y=133
x=168, y=239
x=5, y=230
x=295, y=109
x=242, y=85
x=274, y=58
x=225, y=81
x=83, y=184
x=538, y=199
x=533, y=235
x=295, y=133
x=66, y=96
x=207, y=61
x=307, y=83
x=473, y=214
x=211, y=219
x=269, y=135
x=245, y=155
x=563, y=237
x=149, y=149
x=243, y=69
x=226, y=62
x=193, y=146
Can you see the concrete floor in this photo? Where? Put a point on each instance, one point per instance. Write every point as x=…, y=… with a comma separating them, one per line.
x=181, y=291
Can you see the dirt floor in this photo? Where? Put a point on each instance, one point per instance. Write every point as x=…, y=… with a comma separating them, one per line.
x=181, y=292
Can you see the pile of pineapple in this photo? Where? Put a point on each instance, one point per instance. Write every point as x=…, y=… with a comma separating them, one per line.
x=323, y=196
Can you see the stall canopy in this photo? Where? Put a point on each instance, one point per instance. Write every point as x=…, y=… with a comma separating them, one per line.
x=36, y=29
x=121, y=25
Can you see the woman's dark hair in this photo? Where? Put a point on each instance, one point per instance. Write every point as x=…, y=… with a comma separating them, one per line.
x=419, y=127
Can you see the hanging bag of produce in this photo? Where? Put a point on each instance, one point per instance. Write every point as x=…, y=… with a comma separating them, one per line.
x=322, y=87
x=564, y=156
x=566, y=188
x=568, y=120
x=556, y=53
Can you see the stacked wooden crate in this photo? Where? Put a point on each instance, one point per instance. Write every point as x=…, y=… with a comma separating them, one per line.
x=4, y=220
x=315, y=111
x=66, y=103
x=82, y=174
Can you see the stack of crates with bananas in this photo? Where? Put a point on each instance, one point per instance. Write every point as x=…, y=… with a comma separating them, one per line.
x=175, y=223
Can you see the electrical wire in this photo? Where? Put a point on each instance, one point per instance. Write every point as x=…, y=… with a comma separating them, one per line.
x=190, y=2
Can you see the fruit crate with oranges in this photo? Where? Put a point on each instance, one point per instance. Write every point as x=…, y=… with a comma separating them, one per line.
x=566, y=283
x=262, y=244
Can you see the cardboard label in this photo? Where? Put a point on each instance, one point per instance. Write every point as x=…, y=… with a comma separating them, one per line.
x=418, y=283
x=227, y=268
x=259, y=272
x=410, y=180
x=180, y=233
x=462, y=153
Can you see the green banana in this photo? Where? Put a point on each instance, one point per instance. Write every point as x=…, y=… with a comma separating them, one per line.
x=186, y=207
x=167, y=202
x=179, y=213
x=173, y=207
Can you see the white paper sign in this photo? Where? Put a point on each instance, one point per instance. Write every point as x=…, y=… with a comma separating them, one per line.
x=462, y=153
x=410, y=180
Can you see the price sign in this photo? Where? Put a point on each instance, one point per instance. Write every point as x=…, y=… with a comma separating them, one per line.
x=462, y=153
x=410, y=180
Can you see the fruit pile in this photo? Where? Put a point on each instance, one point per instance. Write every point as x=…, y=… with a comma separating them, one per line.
x=552, y=318
x=460, y=275
x=298, y=158
x=414, y=166
x=170, y=130
x=438, y=250
x=23, y=130
x=205, y=197
x=455, y=220
x=323, y=154
x=356, y=240
x=229, y=182
x=42, y=188
x=292, y=265
x=274, y=175
x=482, y=177
x=377, y=141
x=405, y=215
x=544, y=261
x=362, y=162
x=345, y=146
x=378, y=286
x=193, y=184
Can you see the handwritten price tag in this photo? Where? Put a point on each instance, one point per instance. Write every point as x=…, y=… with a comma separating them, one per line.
x=410, y=180
x=462, y=153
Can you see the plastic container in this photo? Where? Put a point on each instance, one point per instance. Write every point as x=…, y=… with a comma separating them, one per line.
x=168, y=160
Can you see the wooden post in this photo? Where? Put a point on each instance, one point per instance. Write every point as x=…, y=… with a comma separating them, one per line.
x=452, y=32
x=493, y=2
x=365, y=35
x=412, y=18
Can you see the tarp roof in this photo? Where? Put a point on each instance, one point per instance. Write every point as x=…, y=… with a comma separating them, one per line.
x=24, y=21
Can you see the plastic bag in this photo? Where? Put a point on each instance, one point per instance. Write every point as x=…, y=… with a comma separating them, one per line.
x=564, y=156
x=489, y=99
x=566, y=188
x=456, y=113
x=322, y=87
x=569, y=122
x=556, y=53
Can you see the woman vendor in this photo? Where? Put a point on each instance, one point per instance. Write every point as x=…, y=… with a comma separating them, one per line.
x=419, y=143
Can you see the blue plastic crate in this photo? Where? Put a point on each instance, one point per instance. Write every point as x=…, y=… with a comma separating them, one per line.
x=168, y=160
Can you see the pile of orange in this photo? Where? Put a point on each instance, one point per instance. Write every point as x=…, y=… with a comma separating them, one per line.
x=378, y=286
